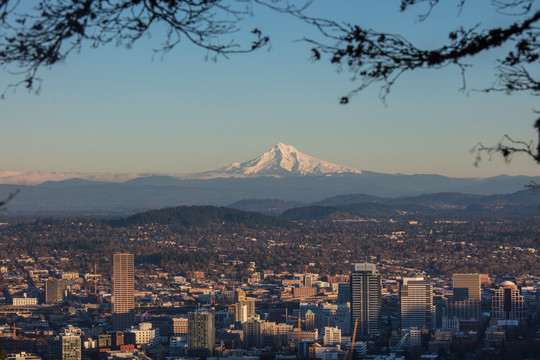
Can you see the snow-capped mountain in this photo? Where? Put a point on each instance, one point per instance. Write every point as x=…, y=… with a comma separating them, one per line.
x=281, y=160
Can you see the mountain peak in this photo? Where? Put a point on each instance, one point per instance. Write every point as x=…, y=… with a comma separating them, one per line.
x=282, y=160
x=283, y=147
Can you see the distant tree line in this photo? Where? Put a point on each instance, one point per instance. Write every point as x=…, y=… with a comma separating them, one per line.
x=199, y=216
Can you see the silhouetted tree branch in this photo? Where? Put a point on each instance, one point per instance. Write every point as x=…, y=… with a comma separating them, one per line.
x=46, y=33
x=374, y=57
x=379, y=57
x=9, y=198
x=508, y=147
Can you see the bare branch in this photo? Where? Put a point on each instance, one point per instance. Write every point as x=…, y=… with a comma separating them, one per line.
x=373, y=56
x=405, y=4
x=9, y=198
x=53, y=29
x=379, y=57
x=508, y=147
x=533, y=186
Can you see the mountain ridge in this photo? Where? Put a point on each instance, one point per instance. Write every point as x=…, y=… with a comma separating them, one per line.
x=282, y=172
x=282, y=160
x=279, y=161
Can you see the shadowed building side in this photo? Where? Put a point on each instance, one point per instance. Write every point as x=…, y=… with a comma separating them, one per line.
x=201, y=333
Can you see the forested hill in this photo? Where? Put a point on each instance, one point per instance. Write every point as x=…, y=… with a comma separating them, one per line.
x=199, y=216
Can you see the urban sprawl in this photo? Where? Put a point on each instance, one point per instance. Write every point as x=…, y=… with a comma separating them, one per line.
x=380, y=308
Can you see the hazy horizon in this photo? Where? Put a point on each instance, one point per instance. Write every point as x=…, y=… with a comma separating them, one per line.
x=34, y=177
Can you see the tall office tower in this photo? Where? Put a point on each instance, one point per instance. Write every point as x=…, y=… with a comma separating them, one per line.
x=253, y=333
x=366, y=299
x=508, y=303
x=243, y=310
x=269, y=333
x=344, y=293
x=417, y=308
x=54, y=291
x=201, y=333
x=123, y=288
x=467, y=286
x=463, y=308
x=315, y=319
x=282, y=332
x=309, y=279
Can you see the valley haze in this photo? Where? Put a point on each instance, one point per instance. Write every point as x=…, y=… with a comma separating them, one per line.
x=282, y=172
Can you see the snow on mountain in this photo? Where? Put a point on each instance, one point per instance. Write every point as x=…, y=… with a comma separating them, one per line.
x=281, y=160
x=38, y=177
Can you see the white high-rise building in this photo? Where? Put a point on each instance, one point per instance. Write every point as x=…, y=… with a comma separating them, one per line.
x=417, y=308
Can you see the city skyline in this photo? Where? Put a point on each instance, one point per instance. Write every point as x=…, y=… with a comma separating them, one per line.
x=425, y=285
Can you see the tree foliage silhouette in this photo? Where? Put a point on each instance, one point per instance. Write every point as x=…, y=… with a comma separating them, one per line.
x=46, y=33
x=375, y=57
x=9, y=198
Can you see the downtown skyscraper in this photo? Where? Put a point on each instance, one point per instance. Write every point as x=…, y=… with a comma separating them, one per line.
x=463, y=310
x=417, y=310
x=366, y=299
x=467, y=286
x=508, y=305
x=123, y=291
x=201, y=333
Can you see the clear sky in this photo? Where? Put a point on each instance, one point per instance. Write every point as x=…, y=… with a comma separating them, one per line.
x=117, y=110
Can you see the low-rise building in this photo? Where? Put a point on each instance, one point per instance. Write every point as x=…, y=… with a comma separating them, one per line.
x=145, y=334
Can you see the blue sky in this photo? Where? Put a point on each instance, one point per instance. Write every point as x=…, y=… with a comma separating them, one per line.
x=117, y=110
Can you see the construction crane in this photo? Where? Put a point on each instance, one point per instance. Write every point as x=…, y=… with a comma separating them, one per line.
x=353, y=339
x=399, y=345
x=14, y=334
x=144, y=314
x=299, y=332
x=299, y=328
x=95, y=279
